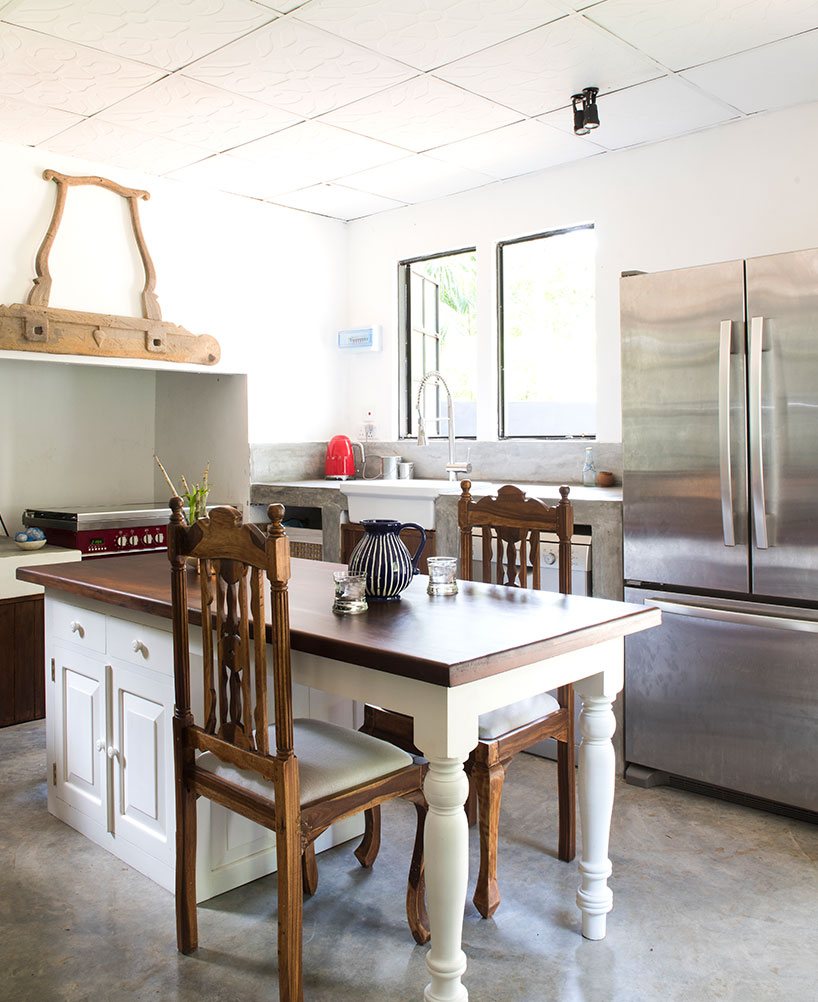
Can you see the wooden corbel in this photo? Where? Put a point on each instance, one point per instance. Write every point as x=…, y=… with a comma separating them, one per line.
x=36, y=326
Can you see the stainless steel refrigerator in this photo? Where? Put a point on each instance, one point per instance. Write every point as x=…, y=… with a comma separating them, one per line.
x=720, y=437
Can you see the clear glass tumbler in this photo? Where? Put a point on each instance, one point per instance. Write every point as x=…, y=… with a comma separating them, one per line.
x=442, y=575
x=350, y=593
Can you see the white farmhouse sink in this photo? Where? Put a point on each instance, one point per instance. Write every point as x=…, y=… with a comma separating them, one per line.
x=404, y=500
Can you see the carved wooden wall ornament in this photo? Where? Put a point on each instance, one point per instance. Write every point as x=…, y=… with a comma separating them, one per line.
x=36, y=326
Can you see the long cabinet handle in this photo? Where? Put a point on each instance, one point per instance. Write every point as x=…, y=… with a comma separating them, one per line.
x=756, y=451
x=734, y=616
x=109, y=740
x=725, y=466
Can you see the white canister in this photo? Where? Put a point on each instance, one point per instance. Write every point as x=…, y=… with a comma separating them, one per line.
x=406, y=471
x=390, y=467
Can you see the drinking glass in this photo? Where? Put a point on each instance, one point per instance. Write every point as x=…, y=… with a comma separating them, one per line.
x=350, y=593
x=442, y=575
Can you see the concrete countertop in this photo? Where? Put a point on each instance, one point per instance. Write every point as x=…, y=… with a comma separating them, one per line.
x=12, y=557
x=480, y=488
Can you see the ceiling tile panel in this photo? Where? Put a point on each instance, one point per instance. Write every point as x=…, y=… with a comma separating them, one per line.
x=648, y=113
x=29, y=124
x=97, y=140
x=772, y=76
x=416, y=179
x=192, y=112
x=538, y=71
x=228, y=173
x=516, y=149
x=282, y=6
x=164, y=33
x=48, y=71
x=336, y=200
x=428, y=33
x=298, y=68
x=421, y=114
x=312, y=152
x=682, y=33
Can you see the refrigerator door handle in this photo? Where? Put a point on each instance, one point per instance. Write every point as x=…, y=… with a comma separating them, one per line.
x=734, y=616
x=756, y=454
x=725, y=466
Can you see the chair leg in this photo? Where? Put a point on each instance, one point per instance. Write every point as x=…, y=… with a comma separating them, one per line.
x=289, y=879
x=567, y=795
x=187, y=931
x=309, y=871
x=367, y=851
x=471, y=801
x=489, y=782
x=416, y=887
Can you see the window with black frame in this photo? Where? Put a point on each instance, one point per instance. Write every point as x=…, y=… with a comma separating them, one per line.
x=439, y=304
x=547, y=334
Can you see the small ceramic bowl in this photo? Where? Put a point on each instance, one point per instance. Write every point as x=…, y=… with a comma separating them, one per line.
x=604, y=478
x=30, y=544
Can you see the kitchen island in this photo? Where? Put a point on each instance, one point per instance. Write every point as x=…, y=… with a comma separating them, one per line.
x=441, y=662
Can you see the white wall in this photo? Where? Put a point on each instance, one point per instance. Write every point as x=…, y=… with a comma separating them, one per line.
x=740, y=190
x=68, y=436
x=269, y=283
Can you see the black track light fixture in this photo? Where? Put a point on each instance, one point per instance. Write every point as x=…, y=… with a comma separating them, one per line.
x=578, y=103
x=586, y=113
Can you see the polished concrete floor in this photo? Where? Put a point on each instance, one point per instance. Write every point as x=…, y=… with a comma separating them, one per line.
x=712, y=902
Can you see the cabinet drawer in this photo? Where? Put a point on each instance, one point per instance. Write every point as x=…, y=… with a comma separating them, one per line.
x=76, y=625
x=141, y=645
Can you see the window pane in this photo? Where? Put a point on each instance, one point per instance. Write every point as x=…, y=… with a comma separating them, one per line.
x=549, y=335
x=443, y=301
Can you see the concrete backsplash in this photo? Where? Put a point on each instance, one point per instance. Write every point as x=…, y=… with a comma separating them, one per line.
x=525, y=461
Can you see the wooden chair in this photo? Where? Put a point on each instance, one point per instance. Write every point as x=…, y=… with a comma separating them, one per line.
x=510, y=524
x=296, y=777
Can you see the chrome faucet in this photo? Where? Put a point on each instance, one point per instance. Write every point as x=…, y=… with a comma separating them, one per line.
x=452, y=468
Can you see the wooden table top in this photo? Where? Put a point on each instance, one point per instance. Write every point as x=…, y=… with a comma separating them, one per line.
x=445, y=640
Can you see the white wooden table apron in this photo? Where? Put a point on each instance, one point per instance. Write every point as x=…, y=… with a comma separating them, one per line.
x=446, y=732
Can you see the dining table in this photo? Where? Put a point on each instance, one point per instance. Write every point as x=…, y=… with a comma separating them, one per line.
x=444, y=661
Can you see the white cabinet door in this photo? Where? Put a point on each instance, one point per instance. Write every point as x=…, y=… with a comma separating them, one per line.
x=143, y=760
x=81, y=738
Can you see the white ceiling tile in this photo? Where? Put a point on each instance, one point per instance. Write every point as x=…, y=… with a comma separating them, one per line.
x=97, y=140
x=772, y=76
x=298, y=68
x=648, y=113
x=49, y=71
x=336, y=200
x=681, y=33
x=516, y=149
x=164, y=33
x=421, y=114
x=227, y=173
x=29, y=124
x=193, y=112
x=539, y=71
x=415, y=179
x=282, y=6
x=313, y=152
x=428, y=33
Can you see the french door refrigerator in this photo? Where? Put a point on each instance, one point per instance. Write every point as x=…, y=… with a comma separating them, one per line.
x=720, y=488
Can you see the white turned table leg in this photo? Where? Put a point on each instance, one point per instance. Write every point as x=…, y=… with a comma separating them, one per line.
x=446, y=846
x=597, y=770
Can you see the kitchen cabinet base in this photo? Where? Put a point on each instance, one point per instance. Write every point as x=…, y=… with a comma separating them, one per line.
x=22, y=683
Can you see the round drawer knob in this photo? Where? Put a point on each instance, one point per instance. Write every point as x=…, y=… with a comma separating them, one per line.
x=549, y=558
x=139, y=648
x=77, y=628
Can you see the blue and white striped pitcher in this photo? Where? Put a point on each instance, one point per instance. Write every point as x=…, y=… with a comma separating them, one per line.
x=382, y=556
